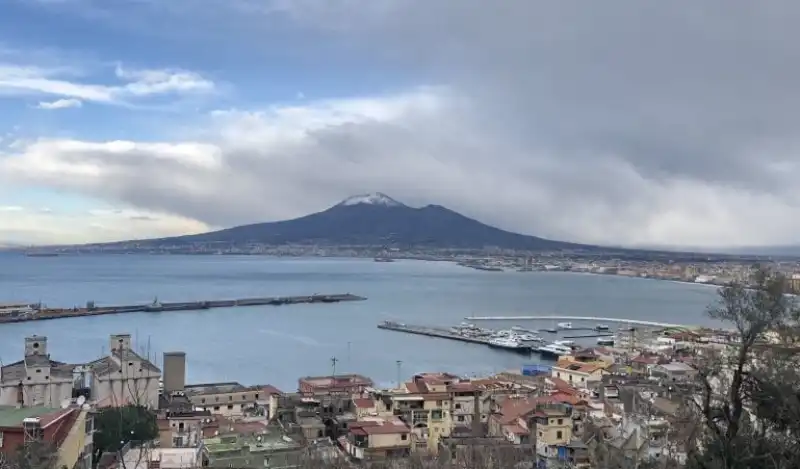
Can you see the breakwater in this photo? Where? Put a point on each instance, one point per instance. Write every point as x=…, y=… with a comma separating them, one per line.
x=41, y=313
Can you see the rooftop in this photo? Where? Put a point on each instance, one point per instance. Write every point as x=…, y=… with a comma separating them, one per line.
x=219, y=446
x=229, y=387
x=11, y=416
x=16, y=372
x=338, y=380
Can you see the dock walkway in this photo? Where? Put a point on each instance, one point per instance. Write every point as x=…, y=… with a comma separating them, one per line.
x=578, y=318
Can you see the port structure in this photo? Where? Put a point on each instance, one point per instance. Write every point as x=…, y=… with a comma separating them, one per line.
x=440, y=333
x=580, y=318
x=40, y=313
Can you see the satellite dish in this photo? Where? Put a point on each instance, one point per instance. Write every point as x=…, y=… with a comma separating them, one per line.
x=65, y=403
x=81, y=400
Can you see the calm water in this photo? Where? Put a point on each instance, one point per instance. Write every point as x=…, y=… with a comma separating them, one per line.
x=277, y=344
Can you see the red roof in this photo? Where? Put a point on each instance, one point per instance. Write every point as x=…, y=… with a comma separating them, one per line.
x=364, y=403
x=271, y=390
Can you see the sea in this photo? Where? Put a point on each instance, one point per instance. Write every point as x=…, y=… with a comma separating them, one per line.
x=278, y=344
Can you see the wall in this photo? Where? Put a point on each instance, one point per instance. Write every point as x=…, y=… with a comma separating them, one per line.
x=219, y=403
x=119, y=391
x=48, y=393
x=577, y=377
x=71, y=450
x=390, y=440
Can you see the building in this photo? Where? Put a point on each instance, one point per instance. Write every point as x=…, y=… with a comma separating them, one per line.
x=124, y=377
x=36, y=379
x=579, y=373
x=337, y=384
x=674, y=371
x=553, y=427
x=181, y=428
x=377, y=438
x=174, y=371
x=68, y=431
x=268, y=449
x=233, y=399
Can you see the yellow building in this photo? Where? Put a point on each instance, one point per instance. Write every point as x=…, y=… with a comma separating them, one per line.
x=553, y=428
x=578, y=373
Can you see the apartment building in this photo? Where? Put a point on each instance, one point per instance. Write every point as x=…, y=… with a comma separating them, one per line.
x=553, y=429
x=68, y=430
x=232, y=398
x=336, y=384
x=377, y=438
x=579, y=373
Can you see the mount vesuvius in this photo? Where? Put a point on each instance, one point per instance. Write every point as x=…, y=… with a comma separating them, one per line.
x=376, y=220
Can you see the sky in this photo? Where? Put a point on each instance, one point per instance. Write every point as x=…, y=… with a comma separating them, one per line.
x=619, y=122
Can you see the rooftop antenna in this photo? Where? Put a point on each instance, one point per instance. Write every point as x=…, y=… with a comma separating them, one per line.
x=334, y=360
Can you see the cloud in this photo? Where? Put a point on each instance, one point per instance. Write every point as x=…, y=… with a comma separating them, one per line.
x=60, y=104
x=16, y=79
x=23, y=226
x=634, y=123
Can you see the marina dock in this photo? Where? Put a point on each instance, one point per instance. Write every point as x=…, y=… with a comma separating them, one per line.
x=440, y=333
x=39, y=313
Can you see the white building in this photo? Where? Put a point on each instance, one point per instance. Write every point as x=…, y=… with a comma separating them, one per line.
x=124, y=377
x=36, y=379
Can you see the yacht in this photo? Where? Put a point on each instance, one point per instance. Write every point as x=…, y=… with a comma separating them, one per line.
x=508, y=343
x=554, y=350
x=565, y=343
x=565, y=325
x=605, y=341
x=601, y=327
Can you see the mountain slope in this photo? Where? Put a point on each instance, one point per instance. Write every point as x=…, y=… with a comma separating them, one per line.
x=376, y=220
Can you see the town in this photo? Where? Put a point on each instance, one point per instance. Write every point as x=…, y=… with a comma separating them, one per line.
x=626, y=403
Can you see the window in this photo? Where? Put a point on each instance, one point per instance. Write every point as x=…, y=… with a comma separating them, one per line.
x=230, y=398
x=460, y=418
x=256, y=396
x=203, y=400
x=438, y=403
x=404, y=437
x=559, y=435
x=38, y=370
x=1, y=439
x=458, y=406
x=230, y=407
x=216, y=407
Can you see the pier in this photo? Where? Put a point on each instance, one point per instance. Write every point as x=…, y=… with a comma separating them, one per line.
x=579, y=318
x=39, y=313
x=442, y=333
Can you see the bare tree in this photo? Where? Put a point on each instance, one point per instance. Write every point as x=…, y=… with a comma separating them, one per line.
x=748, y=392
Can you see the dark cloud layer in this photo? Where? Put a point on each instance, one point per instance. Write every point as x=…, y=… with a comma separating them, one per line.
x=616, y=122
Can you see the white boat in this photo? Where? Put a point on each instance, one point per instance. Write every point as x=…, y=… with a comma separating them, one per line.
x=529, y=338
x=565, y=325
x=601, y=327
x=565, y=343
x=605, y=341
x=508, y=343
x=554, y=350
x=517, y=329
